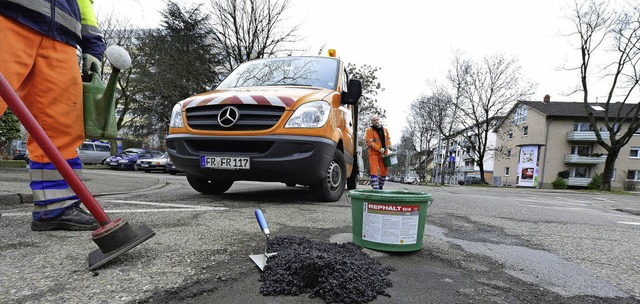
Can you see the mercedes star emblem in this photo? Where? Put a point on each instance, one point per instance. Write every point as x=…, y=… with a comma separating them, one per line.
x=228, y=116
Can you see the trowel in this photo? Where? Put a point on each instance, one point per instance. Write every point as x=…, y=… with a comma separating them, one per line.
x=261, y=259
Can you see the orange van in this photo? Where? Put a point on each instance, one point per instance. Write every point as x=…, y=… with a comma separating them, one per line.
x=291, y=120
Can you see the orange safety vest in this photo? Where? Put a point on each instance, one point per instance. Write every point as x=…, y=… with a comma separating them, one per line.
x=374, y=143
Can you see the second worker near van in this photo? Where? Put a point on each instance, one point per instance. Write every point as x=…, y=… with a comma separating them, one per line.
x=379, y=144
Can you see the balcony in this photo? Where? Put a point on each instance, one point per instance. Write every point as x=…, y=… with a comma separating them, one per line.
x=466, y=169
x=578, y=181
x=585, y=136
x=465, y=156
x=585, y=160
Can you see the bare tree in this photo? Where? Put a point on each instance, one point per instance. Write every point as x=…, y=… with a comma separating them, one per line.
x=421, y=130
x=250, y=29
x=119, y=31
x=371, y=87
x=618, y=33
x=405, y=152
x=487, y=90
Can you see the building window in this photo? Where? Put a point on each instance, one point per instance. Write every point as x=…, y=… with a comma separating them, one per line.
x=525, y=130
x=520, y=115
x=510, y=135
x=509, y=153
x=633, y=175
x=506, y=171
x=579, y=172
x=469, y=163
x=581, y=150
x=582, y=126
x=635, y=152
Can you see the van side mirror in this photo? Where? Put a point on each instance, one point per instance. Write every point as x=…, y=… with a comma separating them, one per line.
x=354, y=92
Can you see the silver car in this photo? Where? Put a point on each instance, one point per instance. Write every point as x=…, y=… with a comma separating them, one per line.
x=94, y=152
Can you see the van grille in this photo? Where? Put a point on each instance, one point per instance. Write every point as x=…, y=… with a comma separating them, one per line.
x=250, y=117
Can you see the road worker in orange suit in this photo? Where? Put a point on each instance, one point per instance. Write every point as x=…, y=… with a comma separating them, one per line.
x=378, y=142
x=38, y=42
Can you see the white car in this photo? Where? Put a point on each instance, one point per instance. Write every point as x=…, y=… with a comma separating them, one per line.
x=151, y=164
x=411, y=179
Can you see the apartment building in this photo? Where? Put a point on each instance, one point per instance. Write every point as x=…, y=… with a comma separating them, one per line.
x=539, y=139
x=458, y=161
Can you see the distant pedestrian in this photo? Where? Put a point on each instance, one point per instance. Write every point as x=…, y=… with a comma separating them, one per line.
x=38, y=42
x=379, y=144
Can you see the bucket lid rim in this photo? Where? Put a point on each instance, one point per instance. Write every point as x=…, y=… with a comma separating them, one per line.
x=388, y=194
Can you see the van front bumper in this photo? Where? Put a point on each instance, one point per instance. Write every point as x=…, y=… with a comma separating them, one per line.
x=273, y=158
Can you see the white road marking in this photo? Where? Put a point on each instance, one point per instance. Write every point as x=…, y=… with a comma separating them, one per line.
x=630, y=223
x=179, y=207
x=551, y=202
x=561, y=208
x=582, y=210
x=176, y=207
x=164, y=210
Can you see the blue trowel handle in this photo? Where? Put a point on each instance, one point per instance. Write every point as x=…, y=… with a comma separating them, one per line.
x=262, y=221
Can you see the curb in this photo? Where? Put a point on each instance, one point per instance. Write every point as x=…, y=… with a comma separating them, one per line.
x=10, y=199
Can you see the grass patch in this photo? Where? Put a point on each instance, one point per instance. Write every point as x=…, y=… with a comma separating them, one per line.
x=13, y=164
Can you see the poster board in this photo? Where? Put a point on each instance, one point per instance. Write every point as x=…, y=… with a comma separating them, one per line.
x=528, y=166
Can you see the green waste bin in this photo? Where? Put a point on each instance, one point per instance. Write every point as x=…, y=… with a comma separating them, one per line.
x=389, y=220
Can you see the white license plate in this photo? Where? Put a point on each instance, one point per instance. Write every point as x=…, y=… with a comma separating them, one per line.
x=221, y=162
x=144, y=165
x=113, y=164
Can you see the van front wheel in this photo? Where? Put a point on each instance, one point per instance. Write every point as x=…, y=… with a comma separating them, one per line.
x=330, y=189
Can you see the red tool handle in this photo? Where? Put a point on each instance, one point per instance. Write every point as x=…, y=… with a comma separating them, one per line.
x=37, y=133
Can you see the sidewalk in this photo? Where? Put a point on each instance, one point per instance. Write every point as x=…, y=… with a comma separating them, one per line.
x=14, y=184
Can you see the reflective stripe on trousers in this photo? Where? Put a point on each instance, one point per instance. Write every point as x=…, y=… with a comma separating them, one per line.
x=51, y=193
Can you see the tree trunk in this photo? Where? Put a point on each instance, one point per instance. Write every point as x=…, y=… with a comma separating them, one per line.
x=609, y=165
x=481, y=166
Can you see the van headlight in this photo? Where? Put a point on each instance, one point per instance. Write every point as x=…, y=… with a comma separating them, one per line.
x=176, y=117
x=309, y=115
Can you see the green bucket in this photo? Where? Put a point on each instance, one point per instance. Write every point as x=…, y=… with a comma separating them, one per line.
x=390, y=159
x=389, y=220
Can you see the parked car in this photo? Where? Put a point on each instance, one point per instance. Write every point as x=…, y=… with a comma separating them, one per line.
x=18, y=149
x=153, y=164
x=129, y=157
x=411, y=179
x=470, y=180
x=171, y=168
x=91, y=152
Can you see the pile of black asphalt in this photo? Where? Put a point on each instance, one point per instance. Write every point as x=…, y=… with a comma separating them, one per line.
x=336, y=273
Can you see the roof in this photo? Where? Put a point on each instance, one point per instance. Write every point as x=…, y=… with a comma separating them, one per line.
x=570, y=110
x=575, y=109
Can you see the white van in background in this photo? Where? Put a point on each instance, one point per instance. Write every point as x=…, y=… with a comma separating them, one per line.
x=91, y=152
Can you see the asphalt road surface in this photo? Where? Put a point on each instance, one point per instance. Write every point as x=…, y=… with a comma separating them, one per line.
x=481, y=245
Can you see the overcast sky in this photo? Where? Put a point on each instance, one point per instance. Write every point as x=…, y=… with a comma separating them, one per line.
x=413, y=41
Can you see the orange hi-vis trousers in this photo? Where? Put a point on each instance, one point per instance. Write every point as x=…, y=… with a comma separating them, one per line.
x=45, y=74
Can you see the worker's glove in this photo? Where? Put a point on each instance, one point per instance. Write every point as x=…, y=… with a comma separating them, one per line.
x=90, y=64
x=381, y=150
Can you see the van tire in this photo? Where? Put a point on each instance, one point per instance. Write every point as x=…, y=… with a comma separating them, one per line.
x=207, y=186
x=330, y=189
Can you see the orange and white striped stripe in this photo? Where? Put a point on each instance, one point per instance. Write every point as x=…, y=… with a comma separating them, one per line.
x=216, y=99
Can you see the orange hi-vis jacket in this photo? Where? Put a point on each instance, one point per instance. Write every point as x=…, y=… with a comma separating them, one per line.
x=374, y=143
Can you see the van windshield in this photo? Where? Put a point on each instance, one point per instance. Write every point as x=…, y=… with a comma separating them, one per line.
x=288, y=71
